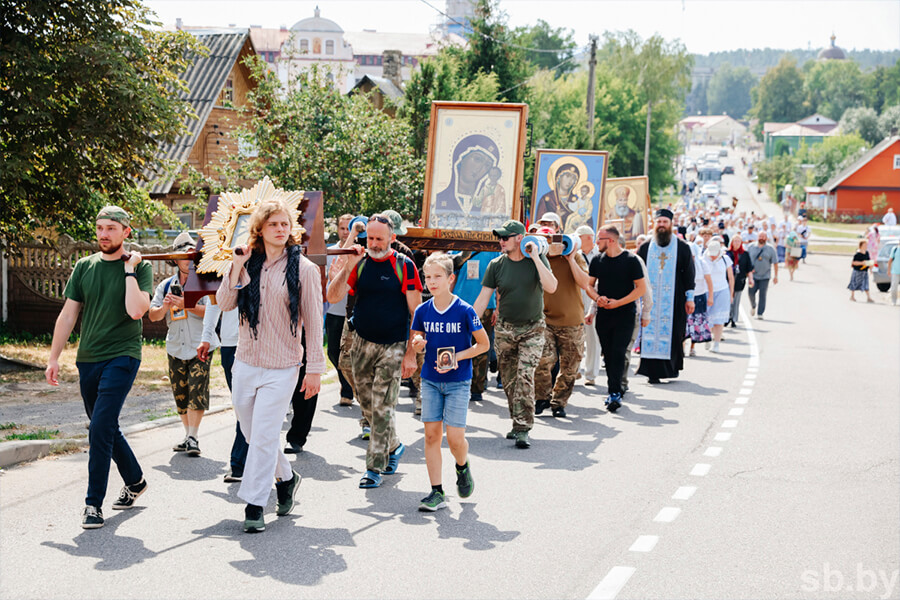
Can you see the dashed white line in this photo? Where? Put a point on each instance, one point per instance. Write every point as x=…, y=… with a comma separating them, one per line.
x=713, y=451
x=612, y=584
x=749, y=382
x=684, y=492
x=742, y=400
x=700, y=469
x=750, y=375
x=667, y=514
x=723, y=436
x=644, y=543
x=730, y=423
x=745, y=391
x=735, y=412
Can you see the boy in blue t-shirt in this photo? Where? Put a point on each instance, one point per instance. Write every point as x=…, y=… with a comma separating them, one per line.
x=443, y=328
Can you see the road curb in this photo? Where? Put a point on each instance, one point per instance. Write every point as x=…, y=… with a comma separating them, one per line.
x=13, y=453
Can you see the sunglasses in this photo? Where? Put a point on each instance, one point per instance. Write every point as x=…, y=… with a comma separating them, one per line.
x=503, y=238
x=380, y=219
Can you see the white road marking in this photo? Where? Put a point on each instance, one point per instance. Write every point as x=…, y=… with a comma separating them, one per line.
x=684, y=492
x=644, y=543
x=612, y=584
x=713, y=451
x=723, y=436
x=752, y=369
x=750, y=375
x=748, y=382
x=700, y=469
x=667, y=514
x=735, y=412
x=730, y=423
x=745, y=391
x=742, y=400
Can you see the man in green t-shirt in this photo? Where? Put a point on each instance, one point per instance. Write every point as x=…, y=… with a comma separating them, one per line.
x=114, y=295
x=519, y=333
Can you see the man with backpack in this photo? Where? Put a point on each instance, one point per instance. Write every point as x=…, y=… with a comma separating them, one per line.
x=387, y=289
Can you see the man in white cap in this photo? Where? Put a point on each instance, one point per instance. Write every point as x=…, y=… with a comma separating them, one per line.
x=591, y=362
x=188, y=372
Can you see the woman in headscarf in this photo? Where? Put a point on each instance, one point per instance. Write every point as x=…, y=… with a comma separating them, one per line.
x=742, y=268
x=473, y=158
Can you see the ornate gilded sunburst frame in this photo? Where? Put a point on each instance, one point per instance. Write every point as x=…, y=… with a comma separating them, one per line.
x=232, y=216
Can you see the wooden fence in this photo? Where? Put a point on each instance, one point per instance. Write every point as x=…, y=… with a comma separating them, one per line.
x=37, y=277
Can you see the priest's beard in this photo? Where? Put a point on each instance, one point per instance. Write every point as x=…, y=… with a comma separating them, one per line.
x=663, y=236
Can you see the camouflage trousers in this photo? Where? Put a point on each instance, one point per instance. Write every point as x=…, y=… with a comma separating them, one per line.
x=376, y=373
x=567, y=345
x=480, y=362
x=519, y=348
x=345, y=365
x=190, y=383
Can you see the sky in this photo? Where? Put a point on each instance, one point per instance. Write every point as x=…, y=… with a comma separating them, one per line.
x=702, y=25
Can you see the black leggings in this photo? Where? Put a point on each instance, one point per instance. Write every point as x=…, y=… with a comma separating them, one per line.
x=615, y=335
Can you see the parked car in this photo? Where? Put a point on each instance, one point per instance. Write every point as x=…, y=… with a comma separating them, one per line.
x=880, y=274
x=723, y=152
x=728, y=170
x=709, y=191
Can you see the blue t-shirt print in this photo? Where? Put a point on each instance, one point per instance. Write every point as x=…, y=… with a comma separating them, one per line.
x=451, y=328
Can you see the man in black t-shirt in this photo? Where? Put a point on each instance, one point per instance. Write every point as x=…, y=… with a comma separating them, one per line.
x=616, y=282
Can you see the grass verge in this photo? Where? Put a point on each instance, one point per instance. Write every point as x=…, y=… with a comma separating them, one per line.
x=39, y=434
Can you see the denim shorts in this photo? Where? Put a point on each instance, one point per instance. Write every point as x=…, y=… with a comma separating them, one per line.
x=447, y=402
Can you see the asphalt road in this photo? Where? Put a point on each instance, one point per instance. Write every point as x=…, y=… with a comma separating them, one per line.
x=769, y=470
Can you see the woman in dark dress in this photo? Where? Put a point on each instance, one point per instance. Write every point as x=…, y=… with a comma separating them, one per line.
x=743, y=270
x=859, y=277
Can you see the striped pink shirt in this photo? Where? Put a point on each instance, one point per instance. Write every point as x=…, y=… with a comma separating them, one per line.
x=275, y=347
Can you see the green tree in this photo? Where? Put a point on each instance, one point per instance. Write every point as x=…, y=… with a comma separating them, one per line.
x=833, y=86
x=89, y=91
x=779, y=171
x=862, y=121
x=492, y=49
x=544, y=37
x=660, y=68
x=311, y=137
x=779, y=95
x=695, y=103
x=884, y=87
x=729, y=91
x=831, y=156
x=889, y=121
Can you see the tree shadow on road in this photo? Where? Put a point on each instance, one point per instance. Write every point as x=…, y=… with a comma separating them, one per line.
x=477, y=534
x=311, y=465
x=114, y=552
x=627, y=411
x=682, y=386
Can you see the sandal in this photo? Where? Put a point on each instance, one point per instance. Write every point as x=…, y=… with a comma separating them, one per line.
x=371, y=479
x=394, y=459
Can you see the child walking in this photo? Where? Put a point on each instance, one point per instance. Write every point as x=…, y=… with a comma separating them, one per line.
x=443, y=328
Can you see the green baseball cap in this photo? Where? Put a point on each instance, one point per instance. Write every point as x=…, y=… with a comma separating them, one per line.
x=510, y=228
x=114, y=213
x=396, y=221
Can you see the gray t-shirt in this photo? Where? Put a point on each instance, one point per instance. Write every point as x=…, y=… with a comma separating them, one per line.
x=762, y=257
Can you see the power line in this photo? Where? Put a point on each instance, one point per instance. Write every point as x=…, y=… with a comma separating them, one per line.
x=486, y=36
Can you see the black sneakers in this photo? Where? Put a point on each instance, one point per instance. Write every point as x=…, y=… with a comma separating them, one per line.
x=559, y=412
x=129, y=494
x=92, y=518
x=465, y=485
x=180, y=446
x=286, y=491
x=253, y=519
x=233, y=476
x=540, y=406
x=192, y=446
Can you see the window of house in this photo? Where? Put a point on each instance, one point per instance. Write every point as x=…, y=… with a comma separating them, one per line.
x=227, y=94
x=304, y=45
x=329, y=46
x=317, y=46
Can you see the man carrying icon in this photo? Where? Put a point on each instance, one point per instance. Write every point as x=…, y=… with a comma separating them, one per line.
x=519, y=333
x=386, y=288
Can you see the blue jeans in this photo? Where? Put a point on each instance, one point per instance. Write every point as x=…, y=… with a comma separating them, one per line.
x=239, y=447
x=104, y=387
x=446, y=401
x=761, y=286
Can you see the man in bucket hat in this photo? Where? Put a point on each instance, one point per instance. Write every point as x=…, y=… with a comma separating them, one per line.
x=114, y=295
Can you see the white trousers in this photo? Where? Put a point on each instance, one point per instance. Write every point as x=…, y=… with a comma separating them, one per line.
x=261, y=398
x=591, y=352
x=895, y=286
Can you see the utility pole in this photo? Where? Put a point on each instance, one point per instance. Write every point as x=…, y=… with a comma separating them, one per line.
x=590, y=91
